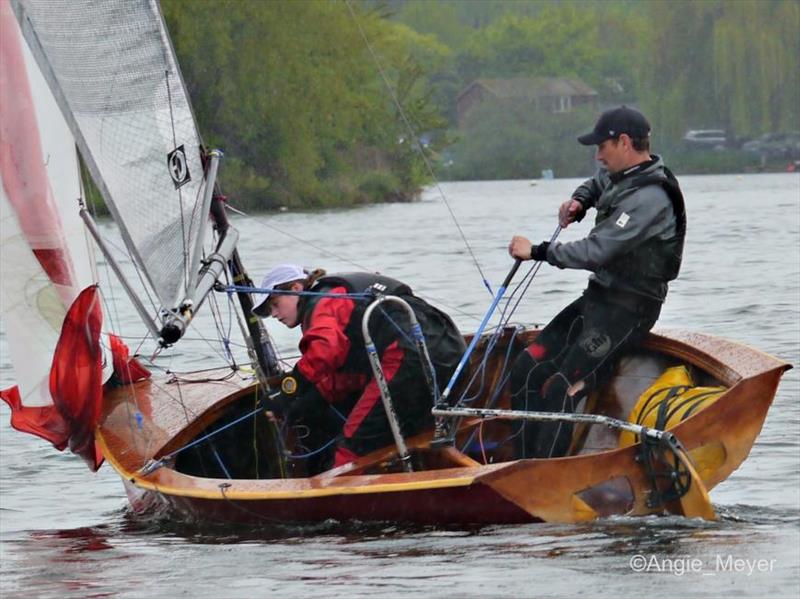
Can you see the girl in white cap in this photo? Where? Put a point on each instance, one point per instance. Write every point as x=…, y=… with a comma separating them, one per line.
x=334, y=370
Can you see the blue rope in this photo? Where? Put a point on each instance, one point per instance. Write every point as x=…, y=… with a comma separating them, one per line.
x=300, y=456
x=490, y=345
x=226, y=339
x=267, y=290
x=496, y=394
x=220, y=462
x=413, y=341
x=338, y=413
x=396, y=326
x=209, y=435
x=505, y=317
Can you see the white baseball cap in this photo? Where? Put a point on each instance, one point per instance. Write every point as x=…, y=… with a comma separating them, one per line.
x=283, y=273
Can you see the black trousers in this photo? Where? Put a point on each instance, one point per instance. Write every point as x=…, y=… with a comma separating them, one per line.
x=572, y=355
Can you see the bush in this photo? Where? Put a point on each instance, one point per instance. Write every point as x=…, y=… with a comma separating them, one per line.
x=707, y=161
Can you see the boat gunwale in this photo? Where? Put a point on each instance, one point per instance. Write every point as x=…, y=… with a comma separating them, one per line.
x=335, y=483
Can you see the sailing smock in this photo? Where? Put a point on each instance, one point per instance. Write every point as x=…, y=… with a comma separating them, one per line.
x=636, y=245
x=334, y=357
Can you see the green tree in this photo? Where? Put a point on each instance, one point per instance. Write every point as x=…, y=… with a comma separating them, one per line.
x=756, y=74
x=722, y=64
x=292, y=93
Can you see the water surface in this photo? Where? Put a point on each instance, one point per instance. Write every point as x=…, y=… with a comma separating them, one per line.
x=65, y=532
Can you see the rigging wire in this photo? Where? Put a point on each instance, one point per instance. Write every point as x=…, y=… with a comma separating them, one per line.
x=137, y=269
x=265, y=223
x=505, y=317
x=296, y=238
x=110, y=303
x=415, y=139
x=222, y=334
x=186, y=277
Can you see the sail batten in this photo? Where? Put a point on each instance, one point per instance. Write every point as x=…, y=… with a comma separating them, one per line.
x=114, y=74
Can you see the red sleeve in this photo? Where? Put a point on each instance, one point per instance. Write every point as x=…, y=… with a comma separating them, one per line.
x=324, y=345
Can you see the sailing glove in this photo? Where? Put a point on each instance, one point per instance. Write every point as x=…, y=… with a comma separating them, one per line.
x=539, y=252
x=297, y=400
x=293, y=408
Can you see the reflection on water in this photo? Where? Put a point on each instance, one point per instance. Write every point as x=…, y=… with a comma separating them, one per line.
x=66, y=533
x=76, y=540
x=121, y=557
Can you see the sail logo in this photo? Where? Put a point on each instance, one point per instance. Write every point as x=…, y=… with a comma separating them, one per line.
x=178, y=168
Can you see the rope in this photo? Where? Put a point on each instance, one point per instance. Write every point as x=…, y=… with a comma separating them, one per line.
x=302, y=456
x=220, y=462
x=267, y=290
x=161, y=461
x=505, y=317
x=264, y=223
x=224, y=335
x=415, y=139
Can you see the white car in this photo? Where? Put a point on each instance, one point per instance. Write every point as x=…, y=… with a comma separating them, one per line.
x=706, y=138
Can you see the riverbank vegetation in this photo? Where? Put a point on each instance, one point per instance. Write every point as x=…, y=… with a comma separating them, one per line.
x=300, y=103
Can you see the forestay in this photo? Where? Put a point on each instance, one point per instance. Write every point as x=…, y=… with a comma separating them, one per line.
x=114, y=74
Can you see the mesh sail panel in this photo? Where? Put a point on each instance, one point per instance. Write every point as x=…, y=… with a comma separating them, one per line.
x=113, y=72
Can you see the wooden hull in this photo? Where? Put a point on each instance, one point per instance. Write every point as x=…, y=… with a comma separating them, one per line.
x=600, y=480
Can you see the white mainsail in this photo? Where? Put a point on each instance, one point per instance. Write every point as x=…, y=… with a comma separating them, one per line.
x=44, y=257
x=114, y=74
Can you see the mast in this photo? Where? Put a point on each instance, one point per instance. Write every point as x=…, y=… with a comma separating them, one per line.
x=259, y=344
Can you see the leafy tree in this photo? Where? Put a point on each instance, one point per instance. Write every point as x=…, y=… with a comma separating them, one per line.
x=292, y=92
x=299, y=101
x=715, y=63
x=756, y=75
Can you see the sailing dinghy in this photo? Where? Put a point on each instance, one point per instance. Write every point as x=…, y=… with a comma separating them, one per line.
x=200, y=447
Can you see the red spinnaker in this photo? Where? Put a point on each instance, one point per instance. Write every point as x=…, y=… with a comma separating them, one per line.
x=126, y=369
x=76, y=385
x=76, y=377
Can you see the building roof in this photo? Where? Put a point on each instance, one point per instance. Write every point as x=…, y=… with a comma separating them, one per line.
x=533, y=87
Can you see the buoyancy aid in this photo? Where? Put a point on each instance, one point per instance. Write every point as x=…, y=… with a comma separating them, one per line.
x=356, y=282
x=365, y=282
x=444, y=341
x=657, y=261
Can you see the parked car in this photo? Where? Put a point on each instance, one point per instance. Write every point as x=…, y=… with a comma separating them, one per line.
x=706, y=138
x=775, y=145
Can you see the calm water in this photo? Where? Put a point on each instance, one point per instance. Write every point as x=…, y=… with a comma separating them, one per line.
x=65, y=532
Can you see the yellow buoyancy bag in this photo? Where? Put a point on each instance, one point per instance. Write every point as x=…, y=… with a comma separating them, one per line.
x=671, y=399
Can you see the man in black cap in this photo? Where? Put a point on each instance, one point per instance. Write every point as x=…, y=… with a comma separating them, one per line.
x=633, y=251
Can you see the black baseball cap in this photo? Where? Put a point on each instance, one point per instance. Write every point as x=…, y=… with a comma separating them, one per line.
x=612, y=123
